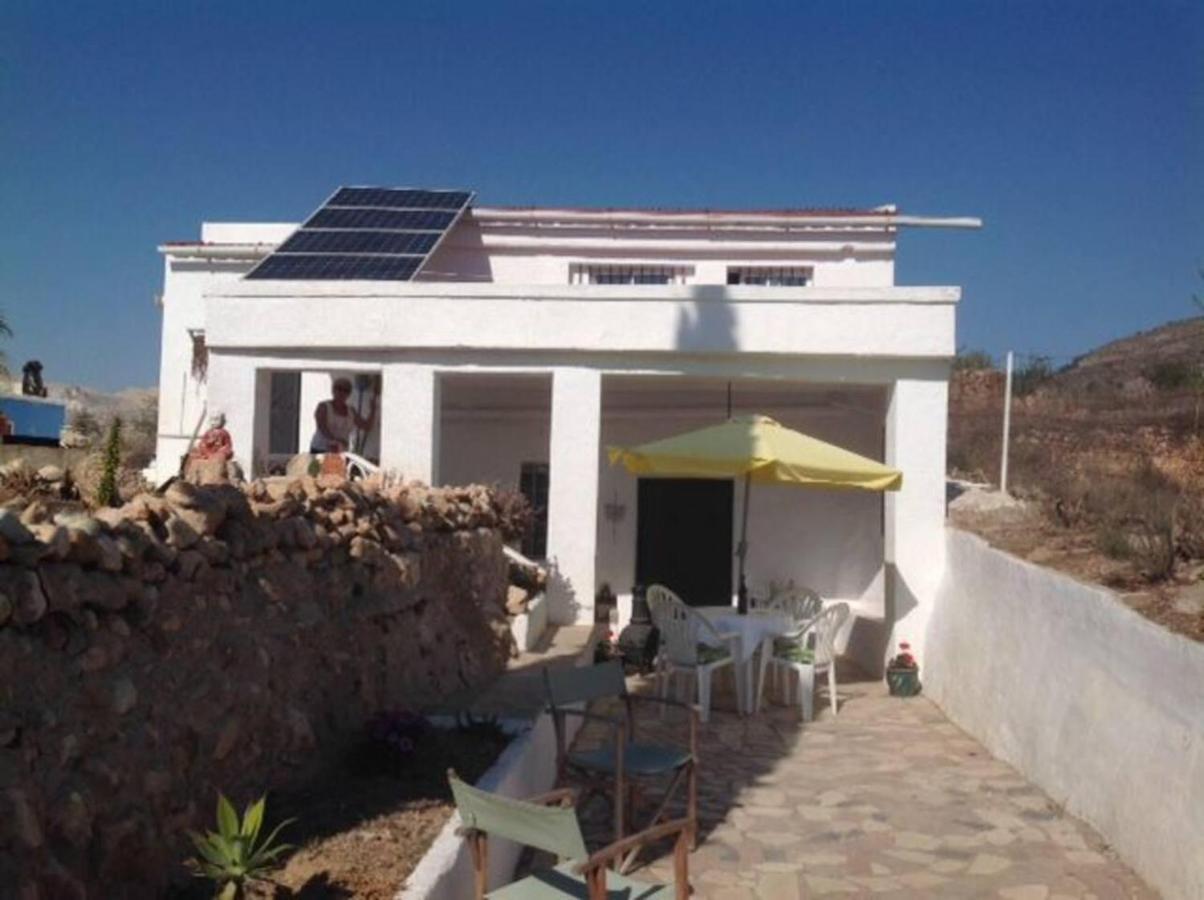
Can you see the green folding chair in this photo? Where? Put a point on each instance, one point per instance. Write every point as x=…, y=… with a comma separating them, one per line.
x=549, y=823
x=615, y=769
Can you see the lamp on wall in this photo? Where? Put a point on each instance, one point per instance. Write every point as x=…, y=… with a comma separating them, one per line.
x=615, y=512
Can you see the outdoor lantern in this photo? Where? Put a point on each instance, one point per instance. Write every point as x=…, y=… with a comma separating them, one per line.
x=638, y=642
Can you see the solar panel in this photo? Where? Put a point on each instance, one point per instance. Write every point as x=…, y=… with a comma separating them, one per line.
x=378, y=234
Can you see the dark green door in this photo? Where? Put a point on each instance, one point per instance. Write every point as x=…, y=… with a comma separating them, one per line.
x=684, y=538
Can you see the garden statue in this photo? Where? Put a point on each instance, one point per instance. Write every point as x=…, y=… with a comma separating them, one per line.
x=208, y=462
x=31, y=379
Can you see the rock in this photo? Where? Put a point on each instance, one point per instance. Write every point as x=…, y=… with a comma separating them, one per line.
x=24, y=819
x=73, y=819
x=104, y=591
x=114, y=518
x=78, y=521
x=12, y=529
x=516, y=600
x=62, y=584
x=3, y=549
x=300, y=465
x=125, y=696
x=6, y=608
x=181, y=534
x=82, y=546
x=36, y=513
x=29, y=602
x=227, y=739
x=51, y=474
x=190, y=563
x=109, y=553
x=55, y=540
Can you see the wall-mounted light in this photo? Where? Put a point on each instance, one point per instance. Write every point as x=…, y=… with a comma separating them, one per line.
x=615, y=512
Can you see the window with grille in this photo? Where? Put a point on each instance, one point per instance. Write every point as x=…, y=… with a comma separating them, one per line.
x=607, y=273
x=770, y=276
x=533, y=484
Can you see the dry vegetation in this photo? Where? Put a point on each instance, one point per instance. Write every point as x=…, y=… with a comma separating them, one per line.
x=1109, y=455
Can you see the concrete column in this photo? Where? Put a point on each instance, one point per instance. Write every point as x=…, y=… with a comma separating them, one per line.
x=573, y=493
x=235, y=387
x=916, y=425
x=409, y=421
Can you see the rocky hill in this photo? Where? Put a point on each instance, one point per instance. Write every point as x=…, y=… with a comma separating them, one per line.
x=1108, y=456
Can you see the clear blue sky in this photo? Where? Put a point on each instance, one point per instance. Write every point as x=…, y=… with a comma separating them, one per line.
x=1075, y=129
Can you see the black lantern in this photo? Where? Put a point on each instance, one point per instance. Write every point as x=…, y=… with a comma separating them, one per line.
x=638, y=642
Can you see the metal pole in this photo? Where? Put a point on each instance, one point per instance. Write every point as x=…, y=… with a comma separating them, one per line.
x=742, y=549
x=1007, y=426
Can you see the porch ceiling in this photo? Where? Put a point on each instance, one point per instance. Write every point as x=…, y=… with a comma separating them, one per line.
x=620, y=393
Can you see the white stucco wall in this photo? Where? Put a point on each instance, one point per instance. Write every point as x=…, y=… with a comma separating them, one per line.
x=1101, y=708
x=830, y=541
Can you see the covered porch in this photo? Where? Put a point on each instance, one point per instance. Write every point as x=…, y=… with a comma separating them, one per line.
x=543, y=431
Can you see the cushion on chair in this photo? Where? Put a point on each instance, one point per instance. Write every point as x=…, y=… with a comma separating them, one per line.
x=792, y=652
x=638, y=759
x=560, y=883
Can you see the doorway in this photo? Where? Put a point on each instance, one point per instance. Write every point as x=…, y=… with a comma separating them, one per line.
x=684, y=538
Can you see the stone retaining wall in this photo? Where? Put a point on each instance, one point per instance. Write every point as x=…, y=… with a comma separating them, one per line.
x=216, y=638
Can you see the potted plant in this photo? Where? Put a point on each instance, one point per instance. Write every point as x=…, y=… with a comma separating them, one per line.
x=903, y=673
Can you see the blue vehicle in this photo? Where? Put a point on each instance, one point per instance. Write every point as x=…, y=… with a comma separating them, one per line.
x=34, y=420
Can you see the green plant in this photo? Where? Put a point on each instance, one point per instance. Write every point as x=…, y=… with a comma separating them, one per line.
x=106, y=492
x=234, y=855
x=1033, y=374
x=972, y=361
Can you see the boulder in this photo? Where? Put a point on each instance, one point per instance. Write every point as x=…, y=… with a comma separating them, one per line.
x=516, y=600
x=51, y=474
x=12, y=529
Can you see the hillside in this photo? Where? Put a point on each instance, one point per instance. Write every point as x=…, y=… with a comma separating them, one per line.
x=1107, y=457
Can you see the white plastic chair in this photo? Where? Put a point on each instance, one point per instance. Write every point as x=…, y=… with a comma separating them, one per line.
x=682, y=649
x=800, y=603
x=790, y=655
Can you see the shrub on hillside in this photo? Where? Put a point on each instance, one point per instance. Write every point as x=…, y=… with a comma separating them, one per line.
x=1034, y=373
x=972, y=361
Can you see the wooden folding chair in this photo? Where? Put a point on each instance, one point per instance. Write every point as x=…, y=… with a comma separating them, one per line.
x=615, y=768
x=549, y=823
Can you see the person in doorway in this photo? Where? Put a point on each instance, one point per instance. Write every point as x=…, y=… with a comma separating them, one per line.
x=336, y=419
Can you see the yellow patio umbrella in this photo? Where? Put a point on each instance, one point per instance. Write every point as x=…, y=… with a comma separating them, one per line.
x=758, y=449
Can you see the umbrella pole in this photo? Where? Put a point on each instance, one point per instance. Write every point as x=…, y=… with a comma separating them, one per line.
x=742, y=549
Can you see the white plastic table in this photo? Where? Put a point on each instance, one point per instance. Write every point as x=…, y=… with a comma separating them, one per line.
x=752, y=629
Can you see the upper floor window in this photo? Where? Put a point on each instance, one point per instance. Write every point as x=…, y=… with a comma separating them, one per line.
x=609, y=273
x=770, y=276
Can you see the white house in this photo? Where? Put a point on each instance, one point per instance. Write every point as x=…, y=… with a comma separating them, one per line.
x=529, y=339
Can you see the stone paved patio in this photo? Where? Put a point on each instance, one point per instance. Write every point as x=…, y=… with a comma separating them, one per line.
x=887, y=799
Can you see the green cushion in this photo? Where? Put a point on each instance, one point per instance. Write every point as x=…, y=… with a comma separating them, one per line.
x=708, y=654
x=560, y=882
x=792, y=652
x=638, y=759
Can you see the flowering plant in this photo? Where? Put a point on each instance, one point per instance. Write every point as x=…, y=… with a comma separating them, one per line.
x=904, y=659
x=607, y=648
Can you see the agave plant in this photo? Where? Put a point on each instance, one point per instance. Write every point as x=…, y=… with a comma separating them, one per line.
x=234, y=854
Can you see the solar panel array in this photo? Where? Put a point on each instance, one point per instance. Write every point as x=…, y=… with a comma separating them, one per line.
x=377, y=234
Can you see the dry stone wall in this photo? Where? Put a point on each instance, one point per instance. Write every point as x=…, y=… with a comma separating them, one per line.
x=218, y=638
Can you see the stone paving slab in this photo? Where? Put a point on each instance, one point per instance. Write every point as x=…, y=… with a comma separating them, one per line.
x=887, y=799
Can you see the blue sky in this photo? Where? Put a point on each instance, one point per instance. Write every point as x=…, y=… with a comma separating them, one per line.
x=1075, y=129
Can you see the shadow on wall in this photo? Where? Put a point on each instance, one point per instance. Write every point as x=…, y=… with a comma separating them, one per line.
x=870, y=639
x=707, y=323
x=563, y=605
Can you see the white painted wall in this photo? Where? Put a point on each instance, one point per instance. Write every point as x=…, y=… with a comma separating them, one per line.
x=831, y=541
x=1101, y=708
x=861, y=322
